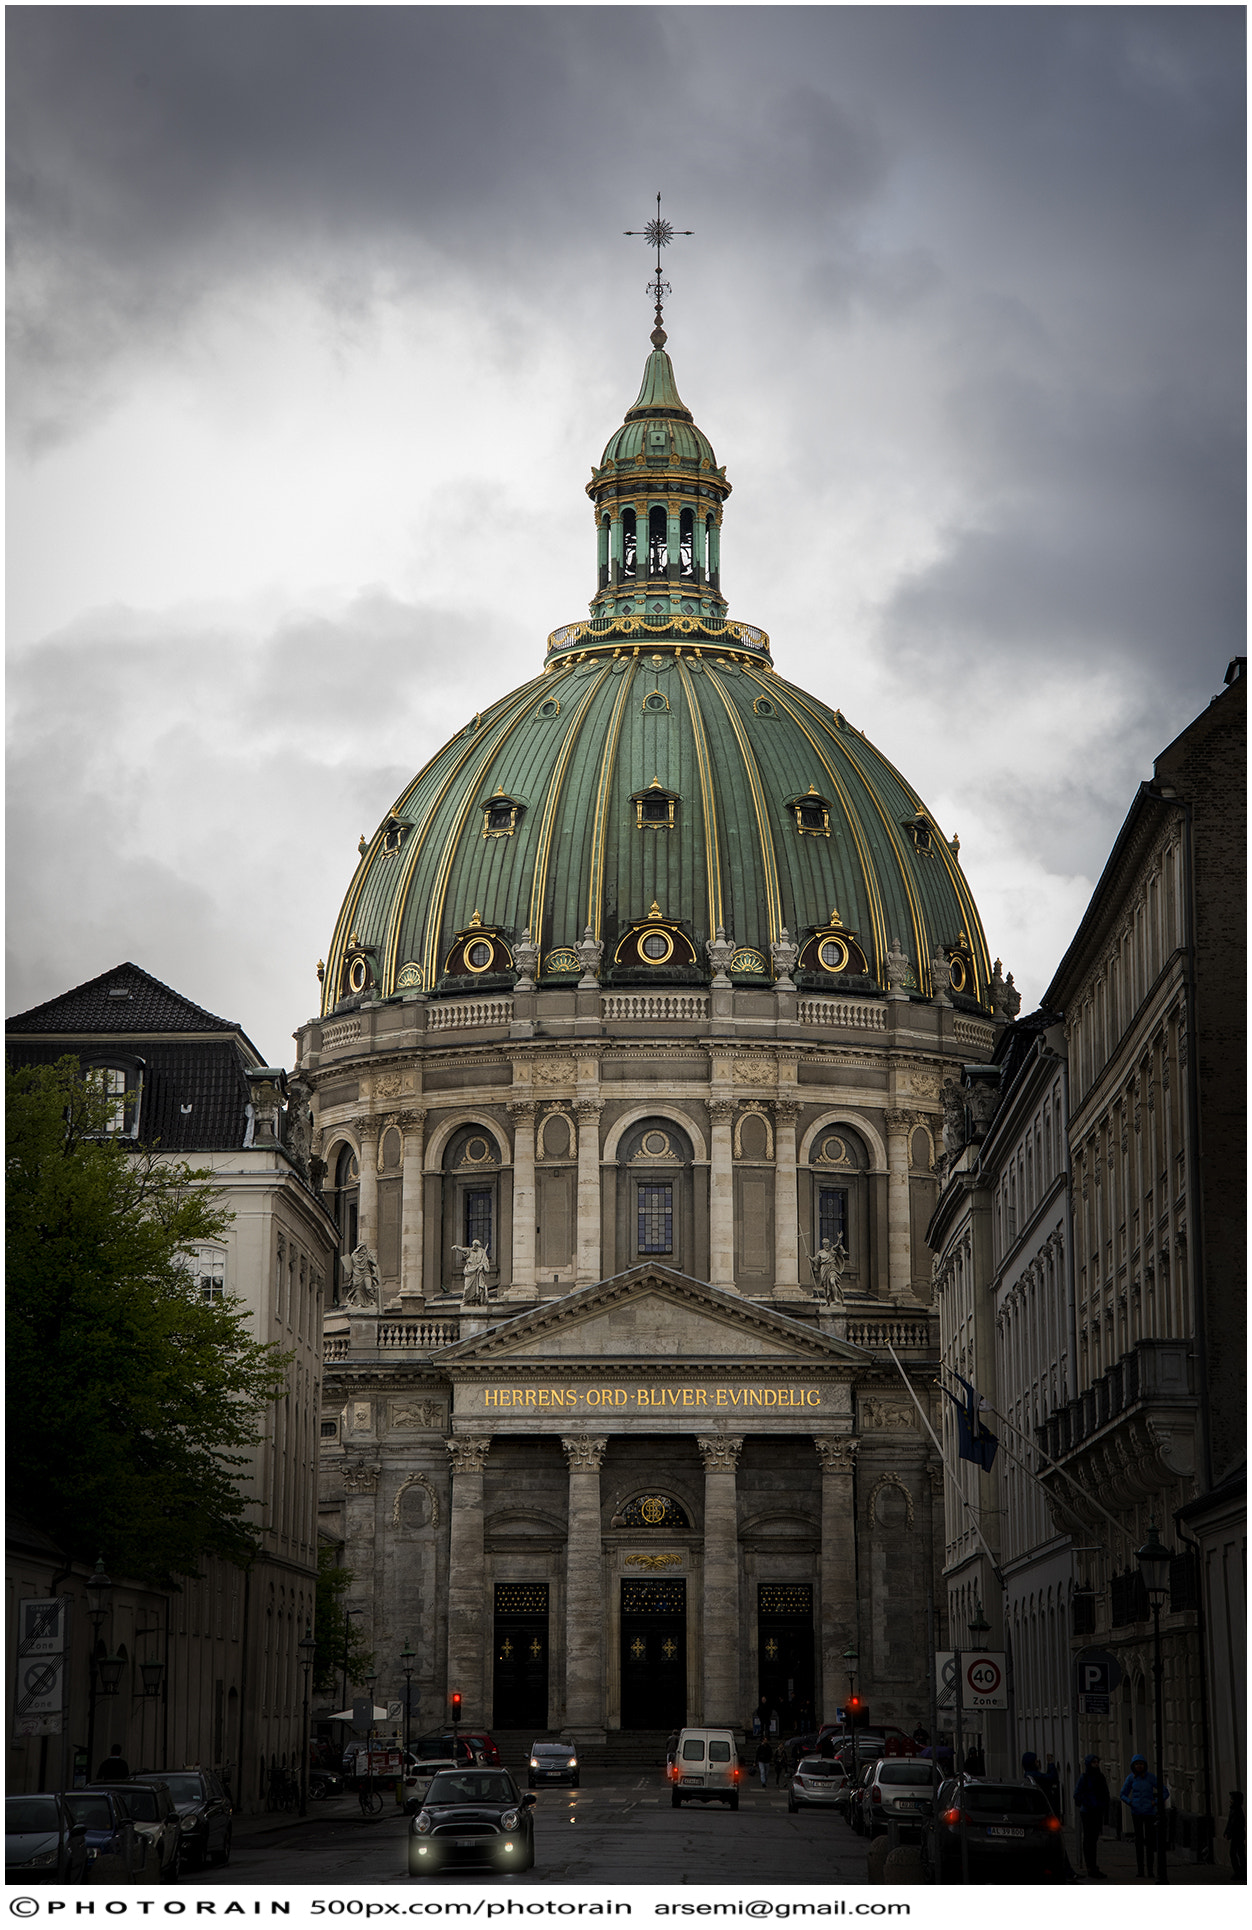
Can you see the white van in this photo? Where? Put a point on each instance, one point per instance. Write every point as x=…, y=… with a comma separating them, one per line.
x=705, y=1768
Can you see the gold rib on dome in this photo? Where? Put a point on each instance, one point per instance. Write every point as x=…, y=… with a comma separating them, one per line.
x=708, y=800
x=773, y=896
x=594, y=684
x=604, y=791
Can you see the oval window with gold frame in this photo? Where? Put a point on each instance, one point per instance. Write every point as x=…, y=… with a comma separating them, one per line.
x=656, y=947
x=358, y=975
x=833, y=955
x=479, y=955
x=960, y=976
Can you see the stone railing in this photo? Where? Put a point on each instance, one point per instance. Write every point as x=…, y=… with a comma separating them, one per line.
x=335, y=1347
x=889, y=1333
x=424, y=1335
x=448, y=1015
x=655, y=1005
x=342, y=1032
x=974, y=1032
x=860, y=1015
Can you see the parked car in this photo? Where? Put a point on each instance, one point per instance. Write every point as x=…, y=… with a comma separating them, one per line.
x=817, y=1783
x=859, y=1783
x=324, y=1783
x=553, y=1762
x=472, y=1817
x=452, y=1748
x=705, y=1768
x=115, y=1853
x=151, y=1809
x=42, y=1841
x=900, y=1790
x=204, y=1812
x=1012, y=1834
x=417, y=1779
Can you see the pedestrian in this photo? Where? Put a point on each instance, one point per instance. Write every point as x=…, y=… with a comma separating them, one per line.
x=1050, y=1782
x=1091, y=1799
x=773, y=1722
x=671, y=1748
x=114, y=1768
x=975, y=1761
x=780, y=1764
x=1138, y=1792
x=764, y=1757
x=921, y=1736
x=1236, y=1834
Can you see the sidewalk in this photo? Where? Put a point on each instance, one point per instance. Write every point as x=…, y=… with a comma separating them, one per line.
x=1117, y=1860
x=336, y=1809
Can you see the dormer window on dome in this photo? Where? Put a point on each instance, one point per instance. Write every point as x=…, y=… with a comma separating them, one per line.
x=477, y=950
x=358, y=969
x=395, y=831
x=655, y=941
x=654, y=808
x=811, y=813
x=961, y=964
x=833, y=949
x=500, y=815
x=922, y=832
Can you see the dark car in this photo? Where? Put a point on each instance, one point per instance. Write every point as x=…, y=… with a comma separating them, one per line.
x=115, y=1852
x=42, y=1842
x=204, y=1812
x=472, y=1818
x=1012, y=1833
x=151, y=1809
x=553, y=1762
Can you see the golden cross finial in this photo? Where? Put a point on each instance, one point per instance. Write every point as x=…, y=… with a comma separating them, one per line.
x=658, y=234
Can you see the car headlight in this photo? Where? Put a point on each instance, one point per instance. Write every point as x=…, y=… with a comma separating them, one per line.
x=422, y=1822
x=572, y=1763
x=42, y=1862
x=534, y=1762
x=510, y=1819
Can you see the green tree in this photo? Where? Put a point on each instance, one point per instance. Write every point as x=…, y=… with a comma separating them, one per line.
x=133, y=1401
x=333, y=1583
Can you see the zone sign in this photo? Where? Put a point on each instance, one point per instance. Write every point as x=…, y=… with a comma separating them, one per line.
x=984, y=1681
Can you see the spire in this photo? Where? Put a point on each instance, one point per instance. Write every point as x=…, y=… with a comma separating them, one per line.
x=658, y=234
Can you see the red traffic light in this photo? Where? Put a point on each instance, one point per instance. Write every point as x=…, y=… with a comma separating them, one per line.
x=456, y=1705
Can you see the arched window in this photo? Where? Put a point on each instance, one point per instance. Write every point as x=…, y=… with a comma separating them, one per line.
x=710, y=550
x=345, y=1205
x=838, y=1178
x=629, y=545
x=687, y=544
x=658, y=540
x=603, y=553
x=471, y=1201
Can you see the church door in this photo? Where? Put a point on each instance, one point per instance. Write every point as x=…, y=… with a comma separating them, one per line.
x=520, y=1671
x=784, y=1636
x=654, y=1654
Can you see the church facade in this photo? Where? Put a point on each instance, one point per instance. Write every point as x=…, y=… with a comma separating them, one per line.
x=627, y=1087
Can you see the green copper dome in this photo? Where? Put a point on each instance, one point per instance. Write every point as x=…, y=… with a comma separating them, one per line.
x=658, y=782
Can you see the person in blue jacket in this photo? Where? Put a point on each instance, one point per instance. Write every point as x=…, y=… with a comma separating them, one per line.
x=1138, y=1792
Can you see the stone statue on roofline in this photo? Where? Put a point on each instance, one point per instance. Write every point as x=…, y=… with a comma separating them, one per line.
x=476, y=1260
x=897, y=972
x=941, y=977
x=526, y=959
x=784, y=955
x=361, y=1289
x=590, y=952
x=720, y=950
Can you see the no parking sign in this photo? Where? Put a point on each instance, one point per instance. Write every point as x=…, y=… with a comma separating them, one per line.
x=983, y=1681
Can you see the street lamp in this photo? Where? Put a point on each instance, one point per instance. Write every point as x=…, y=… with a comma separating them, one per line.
x=850, y=1660
x=105, y=1671
x=408, y=1657
x=979, y=1626
x=1154, y=1559
x=308, y=1650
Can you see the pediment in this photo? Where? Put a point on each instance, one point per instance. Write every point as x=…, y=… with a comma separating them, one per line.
x=646, y=1314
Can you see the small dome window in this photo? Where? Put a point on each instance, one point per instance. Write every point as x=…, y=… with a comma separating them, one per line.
x=657, y=946
x=764, y=708
x=655, y=941
x=500, y=815
x=551, y=707
x=811, y=813
x=479, y=955
x=479, y=948
x=395, y=831
x=922, y=832
x=655, y=807
x=656, y=700
x=834, y=949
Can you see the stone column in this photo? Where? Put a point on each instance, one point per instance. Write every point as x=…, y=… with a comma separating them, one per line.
x=721, y=1195
x=360, y=1488
x=899, y=1228
x=589, y=1269
x=412, y=1211
x=367, y=1198
x=786, y=1205
x=838, y=1566
x=467, y=1578
x=522, y=1286
x=584, y=1589
x=720, y=1455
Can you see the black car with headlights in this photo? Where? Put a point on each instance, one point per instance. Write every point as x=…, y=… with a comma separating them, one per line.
x=472, y=1818
x=42, y=1841
x=553, y=1762
x=204, y=1812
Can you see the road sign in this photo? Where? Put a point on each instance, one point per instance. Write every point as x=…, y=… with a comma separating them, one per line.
x=1096, y=1672
x=1093, y=1705
x=38, y=1708
x=983, y=1681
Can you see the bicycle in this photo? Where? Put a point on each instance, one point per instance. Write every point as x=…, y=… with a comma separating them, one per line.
x=370, y=1799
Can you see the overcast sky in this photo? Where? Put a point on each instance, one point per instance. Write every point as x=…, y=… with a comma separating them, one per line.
x=321, y=316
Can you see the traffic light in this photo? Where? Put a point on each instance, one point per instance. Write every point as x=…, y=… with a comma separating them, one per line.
x=855, y=1713
x=456, y=1706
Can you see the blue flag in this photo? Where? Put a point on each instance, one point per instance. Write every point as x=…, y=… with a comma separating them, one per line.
x=975, y=1441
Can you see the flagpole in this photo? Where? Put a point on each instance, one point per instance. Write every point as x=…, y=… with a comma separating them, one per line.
x=973, y=1519
x=1047, y=1459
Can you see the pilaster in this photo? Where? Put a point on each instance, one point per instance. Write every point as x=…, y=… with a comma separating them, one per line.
x=467, y=1577
x=584, y=1589
x=720, y=1456
x=837, y=1453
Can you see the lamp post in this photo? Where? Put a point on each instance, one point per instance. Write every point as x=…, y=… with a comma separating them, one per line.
x=1154, y=1559
x=308, y=1650
x=850, y=1660
x=105, y=1671
x=408, y=1657
x=370, y=1680
x=348, y=1613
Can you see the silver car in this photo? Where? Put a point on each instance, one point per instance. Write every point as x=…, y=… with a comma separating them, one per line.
x=819, y=1782
x=901, y=1790
x=151, y=1809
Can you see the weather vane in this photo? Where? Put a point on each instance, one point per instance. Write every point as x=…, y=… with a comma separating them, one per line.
x=658, y=234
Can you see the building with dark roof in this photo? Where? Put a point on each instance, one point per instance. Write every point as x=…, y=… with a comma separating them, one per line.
x=193, y=1086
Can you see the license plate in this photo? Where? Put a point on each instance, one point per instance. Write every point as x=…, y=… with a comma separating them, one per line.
x=470, y=1842
x=693, y=1782
x=995, y=1829
x=914, y=1805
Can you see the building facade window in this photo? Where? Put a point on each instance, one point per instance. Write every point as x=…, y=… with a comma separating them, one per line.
x=655, y=1206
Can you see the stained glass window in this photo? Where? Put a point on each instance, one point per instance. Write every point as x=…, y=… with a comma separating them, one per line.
x=656, y=1219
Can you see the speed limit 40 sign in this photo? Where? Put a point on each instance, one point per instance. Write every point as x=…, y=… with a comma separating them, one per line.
x=983, y=1684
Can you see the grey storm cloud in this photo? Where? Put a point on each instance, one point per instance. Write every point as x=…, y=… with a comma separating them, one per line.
x=976, y=273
